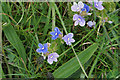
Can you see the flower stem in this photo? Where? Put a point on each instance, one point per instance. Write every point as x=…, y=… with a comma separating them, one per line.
x=79, y=62
x=53, y=17
x=66, y=33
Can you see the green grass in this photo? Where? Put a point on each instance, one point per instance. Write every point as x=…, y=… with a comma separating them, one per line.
x=24, y=25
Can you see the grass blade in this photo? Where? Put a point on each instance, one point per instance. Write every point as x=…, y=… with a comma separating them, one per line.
x=72, y=65
x=13, y=38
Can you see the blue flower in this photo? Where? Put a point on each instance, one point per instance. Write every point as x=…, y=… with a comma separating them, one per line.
x=56, y=33
x=91, y=23
x=85, y=8
x=97, y=4
x=52, y=57
x=42, y=49
x=78, y=20
x=77, y=7
x=68, y=38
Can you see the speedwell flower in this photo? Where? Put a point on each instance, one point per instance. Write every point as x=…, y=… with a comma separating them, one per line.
x=77, y=7
x=97, y=4
x=110, y=22
x=42, y=49
x=52, y=57
x=90, y=23
x=68, y=38
x=56, y=33
x=85, y=8
x=78, y=20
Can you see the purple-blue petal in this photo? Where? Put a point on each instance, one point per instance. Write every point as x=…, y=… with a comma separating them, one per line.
x=56, y=29
x=74, y=8
x=75, y=17
x=38, y=50
x=72, y=40
x=70, y=35
x=82, y=22
x=40, y=45
x=52, y=33
x=52, y=57
x=86, y=8
x=98, y=5
x=68, y=38
x=50, y=61
x=76, y=22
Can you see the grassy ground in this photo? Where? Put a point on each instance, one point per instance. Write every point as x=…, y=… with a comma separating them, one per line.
x=25, y=25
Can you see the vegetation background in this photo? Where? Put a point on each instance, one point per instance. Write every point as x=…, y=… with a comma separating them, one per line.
x=25, y=24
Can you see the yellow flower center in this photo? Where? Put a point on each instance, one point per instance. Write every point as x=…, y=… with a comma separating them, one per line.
x=51, y=57
x=55, y=33
x=78, y=8
x=43, y=48
x=68, y=39
x=96, y=4
x=79, y=19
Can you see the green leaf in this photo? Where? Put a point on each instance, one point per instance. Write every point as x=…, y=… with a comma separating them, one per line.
x=15, y=41
x=72, y=65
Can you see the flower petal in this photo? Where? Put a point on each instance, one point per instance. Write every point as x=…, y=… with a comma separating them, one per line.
x=65, y=38
x=99, y=5
x=72, y=40
x=82, y=22
x=40, y=45
x=50, y=61
x=52, y=33
x=90, y=23
x=74, y=8
x=55, y=59
x=55, y=54
x=75, y=17
x=89, y=13
x=38, y=50
x=110, y=22
x=45, y=45
x=56, y=29
x=70, y=35
x=76, y=23
x=80, y=4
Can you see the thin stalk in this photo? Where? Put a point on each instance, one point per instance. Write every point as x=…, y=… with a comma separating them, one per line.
x=22, y=13
x=7, y=64
x=60, y=17
x=92, y=68
x=66, y=33
x=108, y=37
x=0, y=42
x=53, y=17
x=79, y=62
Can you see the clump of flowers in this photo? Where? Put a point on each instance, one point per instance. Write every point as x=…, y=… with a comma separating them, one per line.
x=44, y=49
x=83, y=9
